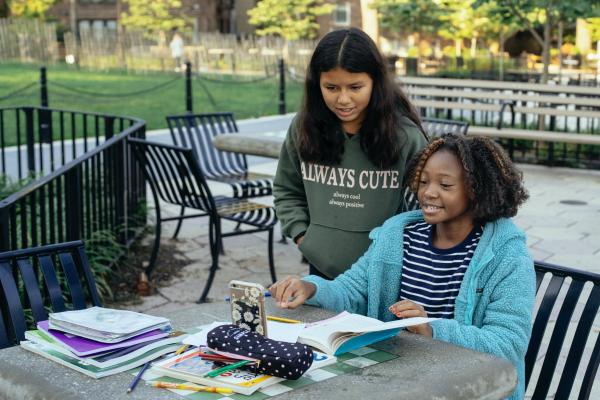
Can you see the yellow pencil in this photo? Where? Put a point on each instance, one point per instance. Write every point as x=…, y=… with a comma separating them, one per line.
x=183, y=386
x=280, y=319
x=181, y=349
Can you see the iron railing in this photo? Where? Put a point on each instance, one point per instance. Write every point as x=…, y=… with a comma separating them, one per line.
x=84, y=178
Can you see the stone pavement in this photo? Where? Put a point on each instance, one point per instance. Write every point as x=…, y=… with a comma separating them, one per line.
x=561, y=219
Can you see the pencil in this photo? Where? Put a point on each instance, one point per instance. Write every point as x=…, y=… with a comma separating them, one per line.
x=286, y=320
x=182, y=349
x=183, y=386
x=219, y=371
x=137, y=378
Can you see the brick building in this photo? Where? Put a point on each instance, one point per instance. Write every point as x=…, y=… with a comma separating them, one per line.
x=225, y=16
x=206, y=15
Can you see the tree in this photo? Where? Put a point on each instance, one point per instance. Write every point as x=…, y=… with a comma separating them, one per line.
x=291, y=19
x=461, y=20
x=594, y=26
x=409, y=16
x=532, y=13
x=3, y=9
x=29, y=8
x=157, y=16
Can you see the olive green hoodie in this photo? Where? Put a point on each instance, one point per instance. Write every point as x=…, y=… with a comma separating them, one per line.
x=337, y=206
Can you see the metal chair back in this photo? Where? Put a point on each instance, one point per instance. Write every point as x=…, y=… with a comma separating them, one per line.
x=196, y=131
x=574, y=291
x=437, y=127
x=176, y=178
x=39, y=271
x=174, y=174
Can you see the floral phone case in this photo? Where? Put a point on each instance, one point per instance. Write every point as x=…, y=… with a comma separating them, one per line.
x=248, y=306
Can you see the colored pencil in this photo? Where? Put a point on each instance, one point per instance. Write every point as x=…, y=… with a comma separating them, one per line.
x=182, y=386
x=219, y=371
x=137, y=378
x=286, y=320
x=182, y=349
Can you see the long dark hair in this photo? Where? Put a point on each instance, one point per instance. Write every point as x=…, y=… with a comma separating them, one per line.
x=321, y=138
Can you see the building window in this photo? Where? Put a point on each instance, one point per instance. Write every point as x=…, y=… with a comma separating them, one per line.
x=98, y=26
x=341, y=14
x=84, y=25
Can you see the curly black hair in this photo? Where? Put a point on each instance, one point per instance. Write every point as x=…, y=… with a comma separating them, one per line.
x=494, y=184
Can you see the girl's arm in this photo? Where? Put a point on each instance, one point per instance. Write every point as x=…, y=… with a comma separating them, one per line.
x=288, y=189
x=347, y=292
x=507, y=321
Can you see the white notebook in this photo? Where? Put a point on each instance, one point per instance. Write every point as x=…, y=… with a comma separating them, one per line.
x=106, y=324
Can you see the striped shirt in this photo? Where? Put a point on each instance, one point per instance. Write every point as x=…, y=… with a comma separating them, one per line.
x=431, y=277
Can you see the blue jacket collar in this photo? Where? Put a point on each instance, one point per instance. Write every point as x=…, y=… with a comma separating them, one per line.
x=495, y=235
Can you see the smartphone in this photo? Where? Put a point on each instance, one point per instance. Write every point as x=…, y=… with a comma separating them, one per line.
x=248, y=306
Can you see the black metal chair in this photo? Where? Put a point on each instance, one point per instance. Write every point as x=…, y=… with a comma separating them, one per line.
x=39, y=271
x=436, y=127
x=196, y=131
x=176, y=177
x=555, y=282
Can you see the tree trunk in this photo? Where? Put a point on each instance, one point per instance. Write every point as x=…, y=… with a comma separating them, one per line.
x=458, y=47
x=546, y=49
x=501, y=53
x=598, y=62
x=473, y=47
x=73, y=23
x=560, y=43
x=120, y=33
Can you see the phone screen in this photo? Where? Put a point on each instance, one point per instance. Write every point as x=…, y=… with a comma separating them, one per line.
x=248, y=306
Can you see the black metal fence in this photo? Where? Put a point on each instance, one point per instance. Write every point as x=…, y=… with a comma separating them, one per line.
x=84, y=178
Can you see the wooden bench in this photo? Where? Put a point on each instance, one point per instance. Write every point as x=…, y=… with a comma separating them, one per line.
x=457, y=105
x=546, y=136
x=477, y=95
x=499, y=85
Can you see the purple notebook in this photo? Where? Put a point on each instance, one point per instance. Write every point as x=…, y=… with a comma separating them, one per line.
x=84, y=347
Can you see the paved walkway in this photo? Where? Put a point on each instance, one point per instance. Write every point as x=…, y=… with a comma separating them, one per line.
x=561, y=219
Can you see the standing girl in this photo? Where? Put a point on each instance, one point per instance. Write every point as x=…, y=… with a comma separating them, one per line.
x=460, y=258
x=341, y=168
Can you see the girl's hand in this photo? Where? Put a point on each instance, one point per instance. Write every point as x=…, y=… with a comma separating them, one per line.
x=408, y=309
x=291, y=292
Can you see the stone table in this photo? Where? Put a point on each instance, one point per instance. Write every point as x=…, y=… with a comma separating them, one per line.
x=264, y=144
x=425, y=369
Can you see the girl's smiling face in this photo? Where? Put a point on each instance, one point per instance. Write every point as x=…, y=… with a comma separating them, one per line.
x=442, y=194
x=347, y=95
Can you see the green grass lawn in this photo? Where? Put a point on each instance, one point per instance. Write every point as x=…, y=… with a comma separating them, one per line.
x=244, y=99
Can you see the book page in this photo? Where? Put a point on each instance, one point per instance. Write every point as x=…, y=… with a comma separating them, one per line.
x=401, y=323
x=346, y=323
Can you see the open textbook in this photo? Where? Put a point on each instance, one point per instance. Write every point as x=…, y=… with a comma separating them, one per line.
x=346, y=332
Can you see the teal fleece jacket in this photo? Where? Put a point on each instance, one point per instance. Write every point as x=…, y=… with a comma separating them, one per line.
x=494, y=305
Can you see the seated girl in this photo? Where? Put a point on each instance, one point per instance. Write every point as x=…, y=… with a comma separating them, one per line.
x=459, y=258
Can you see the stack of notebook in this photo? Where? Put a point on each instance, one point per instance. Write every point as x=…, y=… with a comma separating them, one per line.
x=100, y=342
